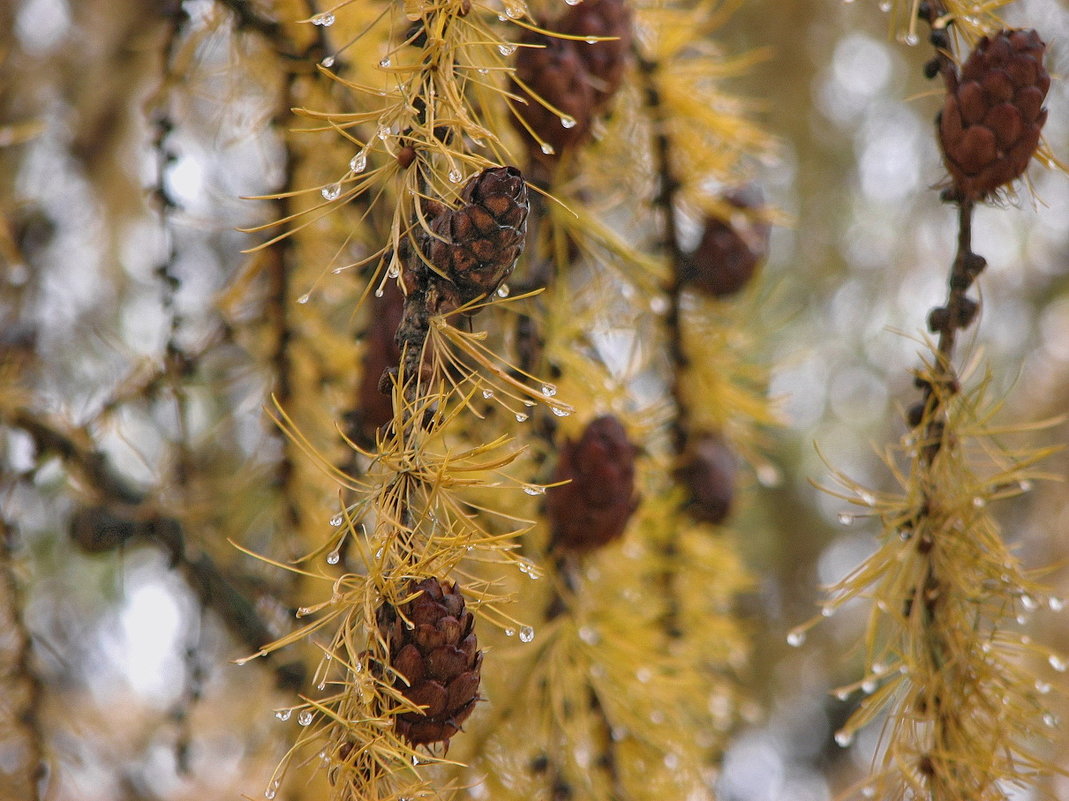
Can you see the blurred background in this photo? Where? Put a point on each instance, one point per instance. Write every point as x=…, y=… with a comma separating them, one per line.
x=121, y=186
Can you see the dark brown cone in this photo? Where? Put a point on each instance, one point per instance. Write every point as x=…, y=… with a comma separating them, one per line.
x=374, y=407
x=439, y=659
x=729, y=253
x=477, y=244
x=992, y=118
x=604, y=61
x=707, y=471
x=555, y=72
x=593, y=509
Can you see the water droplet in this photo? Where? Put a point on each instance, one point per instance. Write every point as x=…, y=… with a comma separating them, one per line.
x=378, y=292
x=827, y=611
x=506, y=49
x=1029, y=603
x=328, y=61
x=1050, y=720
x=526, y=634
x=455, y=175
x=591, y=40
x=868, y=686
x=589, y=635
x=503, y=291
x=488, y=393
x=573, y=2
x=1024, y=485
x=549, y=390
x=304, y=298
x=513, y=13
x=331, y=191
x=272, y=790
x=358, y=163
x=337, y=520
x=520, y=417
x=559, y=412
x=795, y=638
x=1057, y=663
x=845, y=518
x=333, y=558
x=842, y=695
x=618, y=733
x=644, y=674
x=322, y=685
x=510, y=632
x=868, y=791
x=528, y=403
x=671, y=761
x=384, y=63
x=547, y=148
x=304, y=610
x=868, y=498
x=768, y=475
x=1042, y=687
x=658, y=304
x=657, y=716
x=885, y=5
x=337, y=271
x=911, y=39
x=394, y=270
x=979, y=502
x=985, y=647
x=533, y=489
x=843, y=738
x=326, y=19
x=383, y=132
x=1056, y=604
x=284, y=714
x=567, y=121
x=305, y=717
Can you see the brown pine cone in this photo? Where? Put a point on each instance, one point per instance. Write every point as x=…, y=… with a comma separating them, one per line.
x=604, y=61
x=556, y=72
x=374, y=407
x=993, y=114
x=707, y=471
x=439, y=659
x=477, y=244
x=729, y=252
x=593, y=509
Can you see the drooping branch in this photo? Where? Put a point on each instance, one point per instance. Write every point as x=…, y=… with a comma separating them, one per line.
x=121, y=513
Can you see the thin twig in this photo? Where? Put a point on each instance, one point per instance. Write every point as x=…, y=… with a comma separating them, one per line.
x=22, y=688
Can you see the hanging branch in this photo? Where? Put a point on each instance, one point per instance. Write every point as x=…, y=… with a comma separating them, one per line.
x=125, y=514
x=944, y=662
